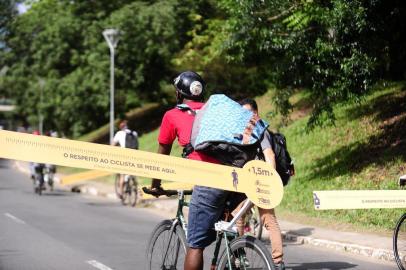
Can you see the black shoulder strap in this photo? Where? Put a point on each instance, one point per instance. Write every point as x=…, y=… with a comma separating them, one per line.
x=185, y=108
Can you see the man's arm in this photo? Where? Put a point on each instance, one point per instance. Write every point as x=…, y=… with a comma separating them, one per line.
x=115, y=141
x=266, y=146
x=270, y=157
x=164, y=149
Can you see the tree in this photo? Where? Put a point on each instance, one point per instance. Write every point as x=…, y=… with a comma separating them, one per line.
x=61, y=42
x=334, y=48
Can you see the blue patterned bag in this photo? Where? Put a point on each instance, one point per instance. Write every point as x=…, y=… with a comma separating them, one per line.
x=226, y=131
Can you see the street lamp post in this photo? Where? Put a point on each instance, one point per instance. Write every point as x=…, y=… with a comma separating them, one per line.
x=111, y=36
x=41, y=117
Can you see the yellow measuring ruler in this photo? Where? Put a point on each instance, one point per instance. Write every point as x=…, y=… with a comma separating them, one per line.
x=257, y=179
x=359, y=199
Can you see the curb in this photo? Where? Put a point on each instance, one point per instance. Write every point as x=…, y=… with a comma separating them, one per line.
x=92, y=191
x=380, y=254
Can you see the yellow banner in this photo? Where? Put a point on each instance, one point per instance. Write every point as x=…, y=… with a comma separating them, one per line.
x=258, y=180
x=359, y=199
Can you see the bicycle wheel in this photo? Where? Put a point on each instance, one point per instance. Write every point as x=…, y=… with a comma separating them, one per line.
x=38, y=183
x=130, y=192
x=167, y=248
x=41, y=184
x=117, y=186
x=399, y=242
x=133, y=191
x=253, y=224
x=246, y=252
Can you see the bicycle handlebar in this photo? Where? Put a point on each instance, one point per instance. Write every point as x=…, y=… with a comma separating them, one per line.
x=167, y=192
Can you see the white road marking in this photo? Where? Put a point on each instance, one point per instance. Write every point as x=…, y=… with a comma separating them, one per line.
x=16, y=219
x=98, y=265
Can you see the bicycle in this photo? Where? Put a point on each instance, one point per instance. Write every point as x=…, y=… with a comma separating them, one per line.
x=167, y=245
x=130, y=190
x=49, y=173
x=38, y=178
x=253, y=223
x=399, y=235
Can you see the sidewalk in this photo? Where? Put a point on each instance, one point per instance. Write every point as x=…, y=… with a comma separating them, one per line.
x=369, y=245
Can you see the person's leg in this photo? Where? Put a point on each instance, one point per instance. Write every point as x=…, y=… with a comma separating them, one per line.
x=271, y=224
x=205, y=209
x=241, y=221
x=122, y=184
x=194, y=259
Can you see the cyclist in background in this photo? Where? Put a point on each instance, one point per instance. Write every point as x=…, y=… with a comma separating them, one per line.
x=36, y=169
x=126, y=138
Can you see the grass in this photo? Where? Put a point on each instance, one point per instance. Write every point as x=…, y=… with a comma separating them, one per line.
x=144, y=120
x=366, y=149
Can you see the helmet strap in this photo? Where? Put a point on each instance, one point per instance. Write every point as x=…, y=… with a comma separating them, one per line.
x=179, y=97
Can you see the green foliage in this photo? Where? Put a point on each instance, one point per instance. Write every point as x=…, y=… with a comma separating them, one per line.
x=61, y=42
x=337, y=49
x=326, y=46
x=7, y=13
x=365, y=150
x=205, y=53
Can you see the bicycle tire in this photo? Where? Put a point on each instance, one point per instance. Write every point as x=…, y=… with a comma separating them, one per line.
x=51, y=181
x=117, y=186
x=399, y=242
x=129, y=196
x=39, y=183
x=159, y=240
x=133, y=191
x=250, y=252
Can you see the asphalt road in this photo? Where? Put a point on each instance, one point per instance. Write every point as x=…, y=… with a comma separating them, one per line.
x=62, y=230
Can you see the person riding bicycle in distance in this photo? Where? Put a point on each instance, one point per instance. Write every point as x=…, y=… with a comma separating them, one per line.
x=207, y=204
x=126, y=138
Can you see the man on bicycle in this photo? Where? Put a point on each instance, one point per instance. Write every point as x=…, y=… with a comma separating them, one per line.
x=36, y=169
x=126, y=138
x=207, y=204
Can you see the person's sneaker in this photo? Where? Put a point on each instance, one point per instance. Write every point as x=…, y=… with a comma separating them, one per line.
x=279, y=266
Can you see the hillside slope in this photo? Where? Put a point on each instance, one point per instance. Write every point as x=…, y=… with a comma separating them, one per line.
x=365, y=149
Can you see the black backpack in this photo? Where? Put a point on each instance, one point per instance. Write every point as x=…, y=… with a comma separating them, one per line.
x=131, y=140
x=284, y=163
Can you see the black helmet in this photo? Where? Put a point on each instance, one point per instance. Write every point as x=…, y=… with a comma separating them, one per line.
x=190, y=85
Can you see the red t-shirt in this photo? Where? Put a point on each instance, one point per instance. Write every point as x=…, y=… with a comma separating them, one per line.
x=178, y=124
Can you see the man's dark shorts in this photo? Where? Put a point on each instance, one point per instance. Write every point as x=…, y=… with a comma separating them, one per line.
x=206, y=208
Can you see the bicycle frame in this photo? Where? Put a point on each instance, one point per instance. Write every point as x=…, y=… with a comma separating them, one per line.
x=225, y=230
x=180, y=217
x=229, y=230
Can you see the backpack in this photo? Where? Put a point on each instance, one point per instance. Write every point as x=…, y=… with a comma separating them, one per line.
x=131, y=140
x=284, y=163
x=226, y=131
